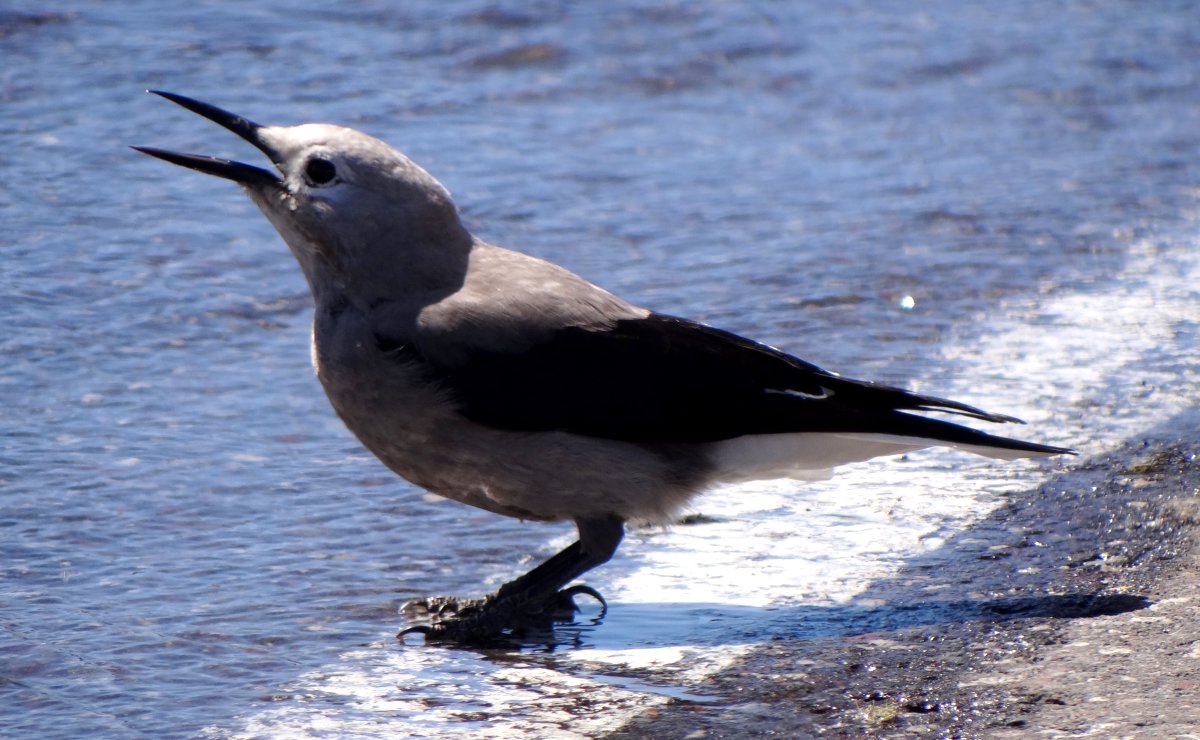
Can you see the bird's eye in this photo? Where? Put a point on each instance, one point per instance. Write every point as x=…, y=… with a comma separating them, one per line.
x=319, y=171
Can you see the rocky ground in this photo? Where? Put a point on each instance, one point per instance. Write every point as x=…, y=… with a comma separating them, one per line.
x=1081, y=618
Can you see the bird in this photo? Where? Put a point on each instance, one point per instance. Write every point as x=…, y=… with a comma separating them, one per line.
x=508, y=383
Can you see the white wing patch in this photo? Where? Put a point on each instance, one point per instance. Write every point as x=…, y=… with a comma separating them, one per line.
x=825, y=393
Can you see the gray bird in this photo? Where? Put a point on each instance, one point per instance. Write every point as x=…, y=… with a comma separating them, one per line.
x=508, y=383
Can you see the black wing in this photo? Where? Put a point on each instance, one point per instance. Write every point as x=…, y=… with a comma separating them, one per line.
x=664, y=379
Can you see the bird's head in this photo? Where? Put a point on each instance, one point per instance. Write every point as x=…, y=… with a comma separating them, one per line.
x=360, y=217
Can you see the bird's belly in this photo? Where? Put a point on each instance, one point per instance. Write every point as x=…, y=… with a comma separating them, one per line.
x=413, y=427
x=393, y=410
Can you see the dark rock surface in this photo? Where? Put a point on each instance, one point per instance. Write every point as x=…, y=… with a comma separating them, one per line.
x=1077, y=612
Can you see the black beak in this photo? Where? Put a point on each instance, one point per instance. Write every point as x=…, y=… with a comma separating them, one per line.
x=243, y=174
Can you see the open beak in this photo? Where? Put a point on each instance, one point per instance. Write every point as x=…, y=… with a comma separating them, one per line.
x=243, y=174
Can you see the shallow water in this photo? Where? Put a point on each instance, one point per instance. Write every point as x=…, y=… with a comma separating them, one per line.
x=993, y=203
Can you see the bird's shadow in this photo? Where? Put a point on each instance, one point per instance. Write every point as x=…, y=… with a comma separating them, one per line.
x=633, y=625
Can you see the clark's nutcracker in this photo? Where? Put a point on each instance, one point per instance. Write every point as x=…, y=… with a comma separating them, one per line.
x=506, y=382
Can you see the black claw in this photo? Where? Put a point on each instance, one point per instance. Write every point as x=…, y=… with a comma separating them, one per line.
x=573, y=591
x=422, y=629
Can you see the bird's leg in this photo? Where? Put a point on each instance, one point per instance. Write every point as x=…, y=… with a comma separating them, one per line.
x=532, y=600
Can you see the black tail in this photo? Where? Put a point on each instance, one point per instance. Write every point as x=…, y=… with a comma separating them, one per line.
x=910, y=425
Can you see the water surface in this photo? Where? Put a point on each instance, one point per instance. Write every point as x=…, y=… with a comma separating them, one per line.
x=994, y=202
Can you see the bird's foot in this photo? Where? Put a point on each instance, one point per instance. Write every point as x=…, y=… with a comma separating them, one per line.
x=435, y=607
x=495, y=619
